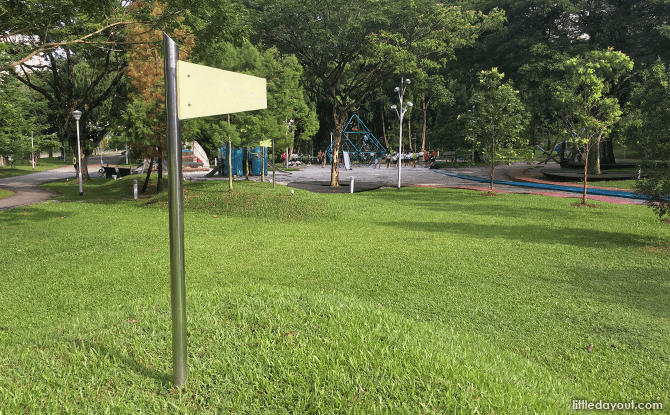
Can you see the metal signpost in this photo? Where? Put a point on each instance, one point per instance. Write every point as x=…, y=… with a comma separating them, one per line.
x=176, y=206
x=194, y=91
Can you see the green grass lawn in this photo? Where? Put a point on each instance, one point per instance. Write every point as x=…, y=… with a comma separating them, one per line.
x=22, y=167
x=5, y=193
x=392, y=301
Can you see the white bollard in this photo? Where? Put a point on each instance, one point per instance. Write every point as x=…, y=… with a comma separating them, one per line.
x=351, y=190
x=135, y=189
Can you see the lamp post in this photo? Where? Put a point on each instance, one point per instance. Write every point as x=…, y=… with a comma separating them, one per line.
x=77, y=115
x=403, y=109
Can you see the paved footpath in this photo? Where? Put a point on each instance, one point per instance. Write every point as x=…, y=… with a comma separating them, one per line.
x=316, y=178
x=27, y=189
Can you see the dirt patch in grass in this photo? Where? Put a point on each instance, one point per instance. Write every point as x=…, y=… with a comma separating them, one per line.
x=584, y=205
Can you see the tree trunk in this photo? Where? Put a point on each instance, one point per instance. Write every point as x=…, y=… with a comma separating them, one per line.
x=586, y=172
x=340, y=118
x=492, y=169
x=146, y=180
x=230, y=166
x=607, y=152
x=409, y=132
x=424, y=109
x=593, y=159
x=262, y=164
x=247, y=160
x=84, y=166
x=159, y=184
x=386, y=140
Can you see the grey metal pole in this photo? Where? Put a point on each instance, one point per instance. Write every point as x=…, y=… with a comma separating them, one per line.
x=274, y=168
x=176, y=208
x=400, y=145
x=81, y=185
x=32, y=148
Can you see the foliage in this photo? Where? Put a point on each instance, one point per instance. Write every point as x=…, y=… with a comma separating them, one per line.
x=650, y=122
x=497, y=120
x=143, y=121
x=350, y=49
x=584, y=103
x=286, y=101
x=22, y=114
x=33, y=30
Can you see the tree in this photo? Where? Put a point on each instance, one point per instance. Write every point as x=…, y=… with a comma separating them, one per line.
x=583, y=102
x=288, y=116
x=650, y=121
x=65, y=33
x=144, y=120
x=32, y=30
x=75, y=79
x=22, y=116
x=498, y=120
x=351, y=48
x=432, y=88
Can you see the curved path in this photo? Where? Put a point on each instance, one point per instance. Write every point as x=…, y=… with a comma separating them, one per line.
x=515, y=178
x=27, y=189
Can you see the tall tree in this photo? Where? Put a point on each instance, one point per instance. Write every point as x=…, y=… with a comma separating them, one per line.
x=351, y=48
x=22, y=116
x=649, y=119
x=584, y=103
x=432, y=89
x=498, y=120
x=66, y=85
x=144, y=121
x=32, y=30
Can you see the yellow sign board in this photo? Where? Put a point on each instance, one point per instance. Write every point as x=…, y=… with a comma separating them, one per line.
x=207, y=91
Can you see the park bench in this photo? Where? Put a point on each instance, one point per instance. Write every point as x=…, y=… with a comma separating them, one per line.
x=111, y=171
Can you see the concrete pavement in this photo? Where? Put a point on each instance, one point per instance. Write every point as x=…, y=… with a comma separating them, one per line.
x=314, y=178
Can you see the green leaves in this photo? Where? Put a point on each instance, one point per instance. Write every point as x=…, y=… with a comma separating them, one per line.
x=498, y=118
x=648, y=125
x=286, y=100
x=583, y=87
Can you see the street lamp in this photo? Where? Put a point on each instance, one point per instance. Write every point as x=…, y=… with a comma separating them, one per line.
x=289, y=123
x=77, y=115
x=403, y=109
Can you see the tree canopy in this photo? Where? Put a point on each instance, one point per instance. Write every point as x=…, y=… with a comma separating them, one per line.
x=351, y=48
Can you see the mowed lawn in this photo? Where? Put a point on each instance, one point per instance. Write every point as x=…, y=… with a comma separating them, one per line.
x=392, y=301
x=23, y=167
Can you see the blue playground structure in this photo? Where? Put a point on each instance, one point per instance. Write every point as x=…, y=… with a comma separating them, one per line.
x=359, y=141
x=257, y=156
